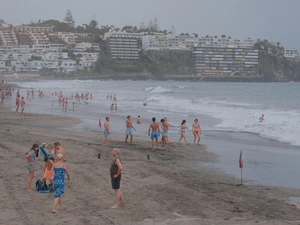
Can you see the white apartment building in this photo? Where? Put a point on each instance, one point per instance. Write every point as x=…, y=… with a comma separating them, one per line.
x=121, y=34
x=21, y=49
x=169, y=42
x=226, y=42
x=56, y=47
x=291, y=53
x=68, y=65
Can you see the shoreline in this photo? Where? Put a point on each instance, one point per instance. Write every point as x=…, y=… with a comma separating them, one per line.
x=170, y=188
x=142, y=77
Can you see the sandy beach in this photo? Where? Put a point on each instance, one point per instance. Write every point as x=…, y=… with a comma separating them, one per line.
x=173, y=187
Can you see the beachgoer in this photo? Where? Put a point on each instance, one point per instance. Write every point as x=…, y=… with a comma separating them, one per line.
x=155, y=132
x=106, y=131
x=22, y=106
x=59, y=169
x=112, y=107
x=66, y=104
x=262, y=118
x=165, y=127
x=115, y=174
x=115, y=97
x=196, y=129
x=30, y=157
x=162, y=132
x=47, y=169
x=129, y=128
x=17, y=103
x=59, y=149
x=138, y=120
x=116, y=107
x=169, y=125
x=182, y=129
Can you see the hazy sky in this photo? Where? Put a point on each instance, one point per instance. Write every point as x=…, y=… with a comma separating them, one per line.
x=275, y=20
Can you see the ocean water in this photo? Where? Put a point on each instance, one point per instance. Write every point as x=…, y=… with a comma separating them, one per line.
x=228, y=113
x=218, y=106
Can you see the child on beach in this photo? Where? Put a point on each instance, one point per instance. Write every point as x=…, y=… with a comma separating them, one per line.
x=47, y=169
x=59, y=169
x=30, y=157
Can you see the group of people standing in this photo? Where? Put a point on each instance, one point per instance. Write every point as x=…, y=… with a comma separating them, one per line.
x=54, y=171
x=155, y=131
x=56, y=168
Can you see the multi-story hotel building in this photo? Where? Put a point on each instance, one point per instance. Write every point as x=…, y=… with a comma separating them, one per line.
x=24, y=28
x=226, y=42
x=225, y=61
x=169, y=42
x=123, y=48
x=291, y=53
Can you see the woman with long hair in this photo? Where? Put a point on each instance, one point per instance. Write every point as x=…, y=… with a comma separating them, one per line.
x=30, y=157
x=182, y=129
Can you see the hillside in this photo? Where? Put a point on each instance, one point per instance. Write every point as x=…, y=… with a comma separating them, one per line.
x=273, y=65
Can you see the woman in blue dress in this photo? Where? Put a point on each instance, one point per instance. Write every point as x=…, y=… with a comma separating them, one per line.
x=59, y=169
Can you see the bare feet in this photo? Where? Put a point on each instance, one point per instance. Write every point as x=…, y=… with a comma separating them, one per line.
x=63, y=207
x=29, y=190
x=114, y=207
x=54, y=211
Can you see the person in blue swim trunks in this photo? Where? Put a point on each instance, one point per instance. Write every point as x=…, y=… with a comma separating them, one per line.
x=106, y=131
x=155, y=132
x=129, y=129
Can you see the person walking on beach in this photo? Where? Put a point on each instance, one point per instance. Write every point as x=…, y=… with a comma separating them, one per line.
x=129, y=128
x=106, y=131
x=59, y=169
x=22, y=106
x=115, y=174
x=261, y=118
x=196, y=129
x=165, y=133
x=154, y=127
x=182, y=129
x=30, y=157
x=17, y=103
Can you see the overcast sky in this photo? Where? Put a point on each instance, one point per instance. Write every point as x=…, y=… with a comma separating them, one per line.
x=275, y=20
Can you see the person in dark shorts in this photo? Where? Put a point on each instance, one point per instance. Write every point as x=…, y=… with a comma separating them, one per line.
x=115, y=174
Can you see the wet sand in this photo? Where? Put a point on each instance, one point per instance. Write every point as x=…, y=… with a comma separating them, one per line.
x=173, y=187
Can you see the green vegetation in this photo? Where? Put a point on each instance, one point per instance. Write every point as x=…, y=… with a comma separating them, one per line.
x=273, y=65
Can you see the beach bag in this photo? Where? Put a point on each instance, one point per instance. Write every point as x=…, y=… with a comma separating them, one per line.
x=39, y=185
x=49, y=187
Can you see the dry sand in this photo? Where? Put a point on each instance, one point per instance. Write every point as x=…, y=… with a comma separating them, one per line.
x=170, y=188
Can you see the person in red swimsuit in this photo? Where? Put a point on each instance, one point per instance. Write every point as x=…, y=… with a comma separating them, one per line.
x=196, y=129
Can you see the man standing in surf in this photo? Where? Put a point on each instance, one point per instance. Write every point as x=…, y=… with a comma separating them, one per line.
x=129, y=128
x=155, y=132
x=262, y=118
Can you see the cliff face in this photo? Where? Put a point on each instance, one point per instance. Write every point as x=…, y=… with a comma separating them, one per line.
x=272, y=64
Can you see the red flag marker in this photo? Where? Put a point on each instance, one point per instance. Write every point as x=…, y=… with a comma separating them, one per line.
x=99, y=123
x=241, y=164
